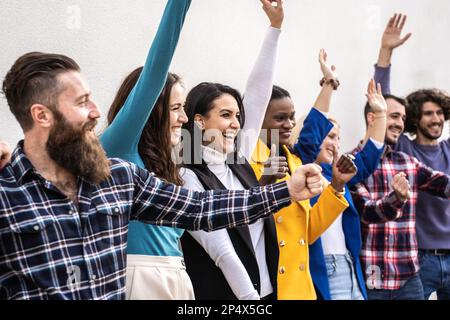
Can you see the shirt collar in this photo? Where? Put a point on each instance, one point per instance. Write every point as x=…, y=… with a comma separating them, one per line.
x=20, y=164
x=213, y=157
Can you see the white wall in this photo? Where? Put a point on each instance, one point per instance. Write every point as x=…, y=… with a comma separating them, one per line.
x=220, y=42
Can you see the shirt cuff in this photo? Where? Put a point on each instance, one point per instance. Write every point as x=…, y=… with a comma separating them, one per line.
x=377, y=67
x=325, y=114
x=396, y=204
x=273, y=34
x=278, y=196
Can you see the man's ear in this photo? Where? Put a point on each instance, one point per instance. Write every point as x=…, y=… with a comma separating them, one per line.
x=42, y=116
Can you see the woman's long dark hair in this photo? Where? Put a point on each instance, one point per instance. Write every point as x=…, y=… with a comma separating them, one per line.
x=200, y=100
x=155, y=145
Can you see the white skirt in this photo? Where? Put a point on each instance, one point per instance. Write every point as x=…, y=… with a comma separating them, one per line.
x=157, y=278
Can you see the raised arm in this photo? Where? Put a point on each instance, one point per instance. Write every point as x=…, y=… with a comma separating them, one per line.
x=123, y=136
x=376, y=118
x=366, y=161
x=329, y=83
x=260, y=82
x=392, y=39
x=316, y=125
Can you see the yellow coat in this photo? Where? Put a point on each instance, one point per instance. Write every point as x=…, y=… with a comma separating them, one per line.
x=298, y=226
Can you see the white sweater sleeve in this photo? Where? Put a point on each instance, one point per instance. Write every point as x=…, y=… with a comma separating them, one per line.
x=259, y=91
x=220, y=249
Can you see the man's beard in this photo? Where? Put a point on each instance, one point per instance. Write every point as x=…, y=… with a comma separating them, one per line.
x=78, y=151
x=427, y=134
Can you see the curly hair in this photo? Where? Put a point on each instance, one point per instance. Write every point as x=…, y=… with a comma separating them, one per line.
x=417, y=99
x=155, y=145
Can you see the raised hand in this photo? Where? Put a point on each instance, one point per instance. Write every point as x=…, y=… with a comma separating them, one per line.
x=306, y=182
x=344, y=169
x=274, y=13
x=375, y=98
x=392, y=36
x=401, y=186
x=275, y=168
x=5, y=154
x=327, y=71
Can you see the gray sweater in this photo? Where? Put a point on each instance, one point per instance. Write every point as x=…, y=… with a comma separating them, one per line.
x=433, y=213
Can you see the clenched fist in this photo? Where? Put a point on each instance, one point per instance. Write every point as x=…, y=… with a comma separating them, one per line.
x=344, y=169
x=401, y=186
x=306, y=182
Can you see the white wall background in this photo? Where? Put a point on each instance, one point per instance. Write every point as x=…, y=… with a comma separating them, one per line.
x=221, y=39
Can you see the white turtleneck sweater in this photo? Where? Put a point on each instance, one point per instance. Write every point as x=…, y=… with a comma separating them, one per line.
x=218, y=244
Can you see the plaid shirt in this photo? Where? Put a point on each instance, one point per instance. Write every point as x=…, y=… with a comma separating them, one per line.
x=389, y=253
x=52, y=249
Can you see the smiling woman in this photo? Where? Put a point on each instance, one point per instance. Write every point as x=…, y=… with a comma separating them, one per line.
x=218, y=114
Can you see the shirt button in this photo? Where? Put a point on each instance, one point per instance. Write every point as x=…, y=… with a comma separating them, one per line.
x=282, y=243
x=94, y=277
x=280, y=220
x=302, y=242
x=282, y=270
x=36, y=228
x=116, y=210
x=302, y=267
x=71, y=212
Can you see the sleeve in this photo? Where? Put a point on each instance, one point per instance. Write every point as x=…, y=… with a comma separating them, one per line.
x=259, y=91
x=366, y=161
x=123, y=135
x=388, y=208
x=315, y=129
x=329, y=206
x=159, y=203
x=433, y=182
x=220, y=249
x=383, y=76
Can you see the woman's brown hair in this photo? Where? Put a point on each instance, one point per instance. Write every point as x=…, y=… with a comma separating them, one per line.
x=155, y=146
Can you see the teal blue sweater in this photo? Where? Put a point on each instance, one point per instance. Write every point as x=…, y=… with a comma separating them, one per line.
x=121, y=139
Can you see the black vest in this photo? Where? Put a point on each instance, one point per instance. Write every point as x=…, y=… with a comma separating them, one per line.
x=208, y=280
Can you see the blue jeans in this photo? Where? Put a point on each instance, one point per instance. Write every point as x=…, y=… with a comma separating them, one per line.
x=342, y=278
x=411, y=290
x=435, y=274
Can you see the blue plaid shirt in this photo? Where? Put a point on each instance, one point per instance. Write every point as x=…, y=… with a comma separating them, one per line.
x=52, y=249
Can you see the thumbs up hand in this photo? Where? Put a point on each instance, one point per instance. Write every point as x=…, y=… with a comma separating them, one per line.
x=275, y=168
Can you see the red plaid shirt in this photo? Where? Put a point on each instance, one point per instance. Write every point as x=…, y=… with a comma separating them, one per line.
x=389, y=252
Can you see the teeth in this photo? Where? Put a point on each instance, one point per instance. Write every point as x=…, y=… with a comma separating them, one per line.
x=229, y=136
